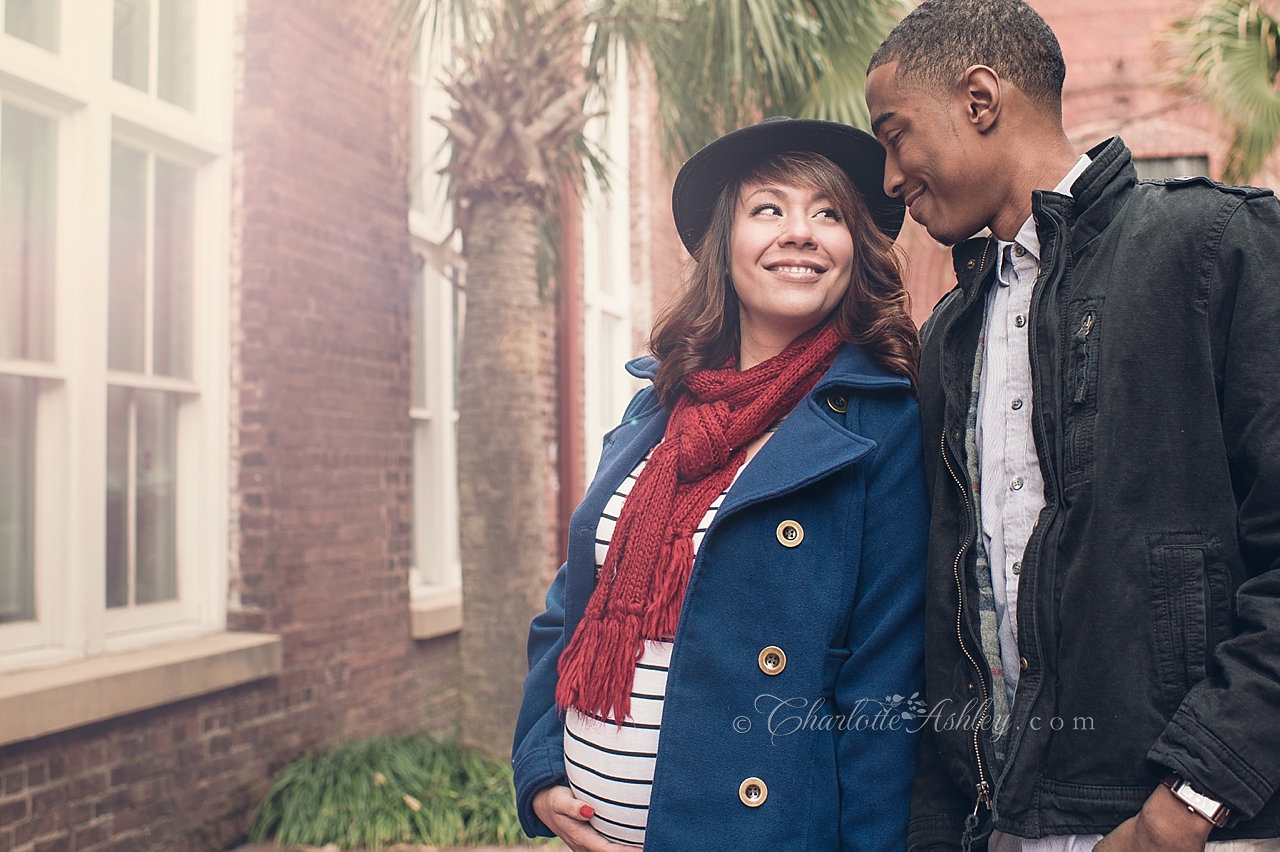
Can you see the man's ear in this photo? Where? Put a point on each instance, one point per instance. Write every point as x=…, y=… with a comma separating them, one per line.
x=980, y=94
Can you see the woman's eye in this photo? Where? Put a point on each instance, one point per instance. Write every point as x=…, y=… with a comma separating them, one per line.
x=772, y=209
x=829, y=213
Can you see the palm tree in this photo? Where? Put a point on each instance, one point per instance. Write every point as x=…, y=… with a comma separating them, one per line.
x=517, y=154
x=1229, y=51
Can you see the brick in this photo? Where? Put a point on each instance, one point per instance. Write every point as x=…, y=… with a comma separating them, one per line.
x=11, y=782
x=89, y=835
x=79, y=812
x=11, y=812
x=37, y=775
x=56, y=844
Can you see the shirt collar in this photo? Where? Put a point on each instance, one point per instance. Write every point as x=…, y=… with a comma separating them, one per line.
x=1027, y=236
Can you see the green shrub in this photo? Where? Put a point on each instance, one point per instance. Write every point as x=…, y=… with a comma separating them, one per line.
x=378, y=792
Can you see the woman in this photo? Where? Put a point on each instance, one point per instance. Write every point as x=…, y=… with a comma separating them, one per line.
x=724, y=656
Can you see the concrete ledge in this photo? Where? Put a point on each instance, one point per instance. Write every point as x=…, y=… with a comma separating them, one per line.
x=58, y=698
x=436, y=613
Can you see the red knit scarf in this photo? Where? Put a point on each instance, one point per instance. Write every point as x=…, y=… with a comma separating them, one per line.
x=643, y=580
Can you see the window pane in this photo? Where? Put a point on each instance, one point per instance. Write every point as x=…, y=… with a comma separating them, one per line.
x=118, y=402
x=128, y=263
x=1155, y=168
x=611, y=328
x=157, y=576
x=173, y=267
x=35, y=21
x=27, y=183
x=17, y=499
x=176, y=64
x=132, y=42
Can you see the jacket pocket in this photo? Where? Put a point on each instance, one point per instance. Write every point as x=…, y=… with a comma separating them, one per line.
x=1081, y=393
x=1182, y=594
x=835, y=659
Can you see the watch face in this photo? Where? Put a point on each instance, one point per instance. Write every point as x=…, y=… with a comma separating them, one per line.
x=1211, y=809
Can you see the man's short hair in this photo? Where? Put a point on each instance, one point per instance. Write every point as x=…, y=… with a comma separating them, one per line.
x=942, y=38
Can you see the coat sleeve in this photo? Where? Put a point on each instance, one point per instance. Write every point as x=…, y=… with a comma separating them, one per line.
x=537, y=756
x=882, y=678
x=1223, y=738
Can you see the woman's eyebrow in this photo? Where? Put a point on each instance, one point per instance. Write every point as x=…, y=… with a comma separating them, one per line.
x=821, y=197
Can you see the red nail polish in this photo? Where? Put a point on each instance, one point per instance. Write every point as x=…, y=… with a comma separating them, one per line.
x=587, y=811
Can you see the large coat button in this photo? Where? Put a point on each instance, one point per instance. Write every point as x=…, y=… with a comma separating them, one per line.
x=837, y=403
x=772, y=660
x=753, y=792
x=790, y=534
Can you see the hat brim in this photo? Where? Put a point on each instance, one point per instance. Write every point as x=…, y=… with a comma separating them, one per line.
x=706, y=173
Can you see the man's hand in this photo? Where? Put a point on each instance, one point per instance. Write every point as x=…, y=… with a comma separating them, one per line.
x=1163, y=825
x=568, y=818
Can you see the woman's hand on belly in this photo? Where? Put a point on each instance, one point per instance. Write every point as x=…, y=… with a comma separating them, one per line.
x=567, y=817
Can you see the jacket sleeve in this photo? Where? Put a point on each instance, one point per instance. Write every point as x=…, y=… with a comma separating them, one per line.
x=537, y=757
x=938, y=808
x=882, y=677
x=1223, y=738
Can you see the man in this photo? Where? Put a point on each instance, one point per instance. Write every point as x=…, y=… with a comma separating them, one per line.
x=1101, y=402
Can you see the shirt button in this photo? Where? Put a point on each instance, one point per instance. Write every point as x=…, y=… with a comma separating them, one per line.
x=1019, y=251
x=1023, y=664
x=1017, y=567
x=1016, y=404
x=1019, y=320
x=1016, y=485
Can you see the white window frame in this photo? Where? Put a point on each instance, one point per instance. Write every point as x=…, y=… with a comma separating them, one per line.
x=435, y=581
x=75, y=86
x=607, y=231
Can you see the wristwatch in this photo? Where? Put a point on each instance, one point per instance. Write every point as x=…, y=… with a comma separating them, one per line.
x=1211, y=809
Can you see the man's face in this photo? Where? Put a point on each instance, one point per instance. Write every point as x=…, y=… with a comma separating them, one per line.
x=933, y=155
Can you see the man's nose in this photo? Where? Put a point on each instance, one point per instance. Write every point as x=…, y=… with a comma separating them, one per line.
x=893, y=178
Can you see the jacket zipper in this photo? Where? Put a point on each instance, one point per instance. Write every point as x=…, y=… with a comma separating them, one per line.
x=983, y=787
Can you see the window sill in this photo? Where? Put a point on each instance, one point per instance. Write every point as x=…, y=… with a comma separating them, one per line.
x=436, y=611
x=59, y=698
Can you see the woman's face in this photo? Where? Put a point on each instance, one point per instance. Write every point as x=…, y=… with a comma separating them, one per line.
x=791, y=257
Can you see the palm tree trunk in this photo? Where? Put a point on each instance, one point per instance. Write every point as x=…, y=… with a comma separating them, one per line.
x=502, y=464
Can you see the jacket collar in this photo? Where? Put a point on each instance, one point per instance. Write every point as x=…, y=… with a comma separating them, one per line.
x=852, y=368
x=1095, y=196
x=811, y=443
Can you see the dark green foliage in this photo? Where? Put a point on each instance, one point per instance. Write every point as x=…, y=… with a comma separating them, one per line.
x=362, y=796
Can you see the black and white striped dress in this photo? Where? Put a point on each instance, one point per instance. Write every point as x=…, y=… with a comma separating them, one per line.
x=611, y=767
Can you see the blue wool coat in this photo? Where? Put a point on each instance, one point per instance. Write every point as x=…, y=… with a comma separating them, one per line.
x=833, y=734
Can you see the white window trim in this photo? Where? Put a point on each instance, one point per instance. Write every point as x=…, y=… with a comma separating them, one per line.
x=76, y=88
x=607, y=231
x=435, y=582
x=59, y=698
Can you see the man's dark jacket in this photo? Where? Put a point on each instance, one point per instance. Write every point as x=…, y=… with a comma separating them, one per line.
x=1149, y=599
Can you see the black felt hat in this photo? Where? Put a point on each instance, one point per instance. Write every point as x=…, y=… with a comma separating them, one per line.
x=705, y=174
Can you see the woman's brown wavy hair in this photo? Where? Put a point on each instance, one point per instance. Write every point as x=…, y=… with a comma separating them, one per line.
x=699, y=330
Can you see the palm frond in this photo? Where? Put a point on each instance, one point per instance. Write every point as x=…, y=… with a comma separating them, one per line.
x=1229, y=52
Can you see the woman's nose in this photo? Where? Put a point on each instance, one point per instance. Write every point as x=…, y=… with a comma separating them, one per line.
x=796, y=230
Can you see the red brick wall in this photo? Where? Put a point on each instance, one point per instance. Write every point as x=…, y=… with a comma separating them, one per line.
x=322, y=470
